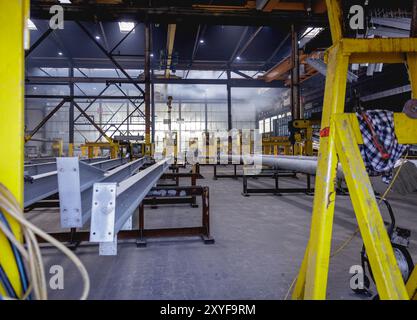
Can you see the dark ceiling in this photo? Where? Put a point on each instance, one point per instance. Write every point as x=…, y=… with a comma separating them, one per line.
x=220, y=42
x=227, y=27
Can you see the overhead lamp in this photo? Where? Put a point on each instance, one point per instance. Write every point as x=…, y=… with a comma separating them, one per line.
x=237, y=58
x=201, y=41
x=60, y=53
x=31, y=25
x=65, y=1
x=126, y=27
x=98, y=37
x=311, y=32
x=151, y=54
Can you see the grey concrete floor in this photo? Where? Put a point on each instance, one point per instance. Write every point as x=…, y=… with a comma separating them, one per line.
x=260, y=242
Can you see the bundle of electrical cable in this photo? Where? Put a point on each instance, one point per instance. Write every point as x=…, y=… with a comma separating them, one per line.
x=33, y=281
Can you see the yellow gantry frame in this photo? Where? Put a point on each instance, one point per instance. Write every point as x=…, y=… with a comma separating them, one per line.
x=13, y=19
x=341, y=144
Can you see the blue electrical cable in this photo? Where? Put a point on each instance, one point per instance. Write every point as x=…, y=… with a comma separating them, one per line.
x=18, y=258
x=6, y=284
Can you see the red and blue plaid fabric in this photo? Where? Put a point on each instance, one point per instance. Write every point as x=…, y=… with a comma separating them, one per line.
x=383, y=123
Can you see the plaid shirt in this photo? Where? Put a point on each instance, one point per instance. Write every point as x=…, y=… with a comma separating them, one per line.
x=383, y=123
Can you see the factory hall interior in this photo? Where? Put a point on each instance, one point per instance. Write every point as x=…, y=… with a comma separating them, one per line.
x=208, y=150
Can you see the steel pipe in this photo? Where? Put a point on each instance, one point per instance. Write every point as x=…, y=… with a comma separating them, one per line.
x=302, y=164
x=292, y=163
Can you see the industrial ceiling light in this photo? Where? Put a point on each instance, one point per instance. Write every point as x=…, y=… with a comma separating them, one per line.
x=126, y=27
x=151, y=55
x=60, y=53
x=65, y=1
x=237, y=58
x=308, y=35
x=201, y=41
x=31, y=25
x=98, y=37
x=311, y=32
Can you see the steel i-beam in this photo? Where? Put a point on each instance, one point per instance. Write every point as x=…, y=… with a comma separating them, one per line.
x=113, y=205
x=110, y=164
x=94, y=160
x=75, y=197
x=39, y=168
x=41, y=179
x=100, y=163
x=41, y=186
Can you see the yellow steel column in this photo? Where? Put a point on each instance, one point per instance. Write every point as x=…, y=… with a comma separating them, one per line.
x=317, y=265
x=90, y=152
x=388, y=278
x=298, y=292
x=412, y=285
x=13, y=17
x=309, y=140
x=334, y=12
x=314, y=281
x=412, y=72
x=70, y=150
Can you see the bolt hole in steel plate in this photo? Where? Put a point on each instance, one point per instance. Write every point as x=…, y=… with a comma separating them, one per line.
x=70, y=201
x=103, y=213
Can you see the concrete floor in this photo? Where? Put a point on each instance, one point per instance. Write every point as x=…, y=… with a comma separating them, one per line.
x=260, y=242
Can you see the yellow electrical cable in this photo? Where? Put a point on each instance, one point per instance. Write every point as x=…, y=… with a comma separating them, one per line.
x=346, y=242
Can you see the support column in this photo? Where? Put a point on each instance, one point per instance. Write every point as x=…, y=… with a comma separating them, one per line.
x=313, y=284
x=205, y=116
x=13, y=15
x=127, y=115
x=295, y=77
x=153, y=111
x=229, y=102
x=413, y=30
x=71, y=116
x=148, y=147
x=179, y=136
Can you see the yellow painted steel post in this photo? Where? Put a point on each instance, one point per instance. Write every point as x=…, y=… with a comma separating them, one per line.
x=334, y=12
x=309, y=140
x=298, y=292
x=323, y=206
x=412, y=69
x=70, y=150
x=412, y=285
x=412, y=72
x=13, y=20
x=388, y=278
x=90, y=152
x=314, y=281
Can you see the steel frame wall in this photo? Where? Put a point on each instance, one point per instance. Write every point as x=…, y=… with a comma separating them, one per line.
x=71, y=98
x=148, y=79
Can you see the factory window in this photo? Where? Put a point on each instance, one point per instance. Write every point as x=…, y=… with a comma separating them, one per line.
x=267, y=125
x=261, y=126
x=273, y=123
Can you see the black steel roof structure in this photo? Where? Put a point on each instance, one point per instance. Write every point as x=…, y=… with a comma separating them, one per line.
x=204, y=40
